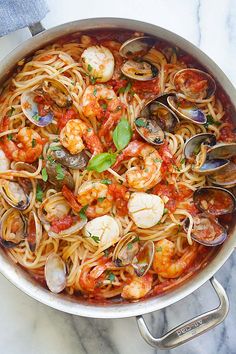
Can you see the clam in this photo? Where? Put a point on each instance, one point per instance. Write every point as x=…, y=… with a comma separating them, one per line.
x=59, y=179
x=12, y=228
x=226, y=177
x=153, y=120
x=193, y=145
x=140, y=70
x=186, y=109
x=30, y=109
x=194, y=84
x=142, y=261
x=206, y=230
x=57, y=92
x=76, y=161
x=56, y=207
x=136, y=47
x=55, y=273
x=14, y=194
x=125, y=250
x=222, y=151
x=34, y=231
x=214, y=200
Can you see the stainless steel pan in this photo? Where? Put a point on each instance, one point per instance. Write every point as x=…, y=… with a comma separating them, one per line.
x=23, y=281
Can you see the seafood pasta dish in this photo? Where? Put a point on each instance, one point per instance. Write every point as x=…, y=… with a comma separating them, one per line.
x=117, y=166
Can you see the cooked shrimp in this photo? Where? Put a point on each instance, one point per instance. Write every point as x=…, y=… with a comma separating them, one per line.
x=25, y=146
x=76, y=133
x=4, y=162
x=98, y=62
x=138, y=288
x=89, y=278
x=95, y=195
x=166, y=265
x=99, y=100
x=147, y=176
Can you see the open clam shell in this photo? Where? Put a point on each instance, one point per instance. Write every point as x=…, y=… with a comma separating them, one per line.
x=136, y=47
x=186, y=109
x=12, y=228
x=30, y=109
x=140, y=70
x=153, y=120
x=55, y=273
x=34, y=231
x=211, y=166
x=206, y=230
x=57, y=92
x=76, y=161
x=56, y=207
x=143, y=259
x=14, y=194
x=214, y=200
x=192, y=145
x=125, y=250
x=194, y=84
x=226, y=177
x=222, y=151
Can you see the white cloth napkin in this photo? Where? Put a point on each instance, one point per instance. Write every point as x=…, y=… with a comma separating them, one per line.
x=16, y=14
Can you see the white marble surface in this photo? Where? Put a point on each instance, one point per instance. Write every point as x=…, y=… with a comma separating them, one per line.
x=29, y=327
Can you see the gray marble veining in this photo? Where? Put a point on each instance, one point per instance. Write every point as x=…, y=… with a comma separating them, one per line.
x=29, y=327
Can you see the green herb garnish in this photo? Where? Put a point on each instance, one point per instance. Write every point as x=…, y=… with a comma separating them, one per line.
x=104, y=106
x=95, y=92
x=211, y=121
x=33, y=143
x=101, y=199
x=101, y=162
x=140, y=122
x=11, y=111
x=44, y=174
x=36, y=117
x=90, y=68
x=106, y=181
x=95, y=239
x=159, y=249
x=111, y=277
x=55, y=148
x=39, y=193
x=60, y=173
x=9, y=136
x=82, y=212
x=165, y=211
x=122, y=134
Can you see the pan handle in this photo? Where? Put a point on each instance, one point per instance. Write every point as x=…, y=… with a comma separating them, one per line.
x=192, y=328
x=36, y=28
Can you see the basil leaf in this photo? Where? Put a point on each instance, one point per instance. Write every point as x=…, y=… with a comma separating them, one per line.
x=101, y=162
x=39, y=193
x=122, y=134
x=44, y=174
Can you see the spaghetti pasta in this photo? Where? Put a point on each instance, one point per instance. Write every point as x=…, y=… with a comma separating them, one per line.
x=85, y=212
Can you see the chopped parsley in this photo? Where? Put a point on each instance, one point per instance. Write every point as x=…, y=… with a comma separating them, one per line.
x=33, y=143
x=95, y=92
x=82, y=212
x=39, y=193
x=93, y=80
x=111, y=277
x=182, y=161
x=44, y=174
x=129, y=246
x=11, y=111
x=140, y=122
x=36, y=117
x=104, y=106
x=106, y=253
x=165, y=211
x=157, y=160
x=9, y=136
x=50, y=159
x=101, y=199
x=125, y=89
x=90, y=68
x=159, y=249
x=95, y=239
x=106, y=181
x=211, y=121
x=60, y=173
x=55, y=148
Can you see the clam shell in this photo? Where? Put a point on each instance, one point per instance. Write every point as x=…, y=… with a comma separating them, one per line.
x=143, y=259
x=34, y=231
x=214, y=200
x=136, y=47
x=30, y=110
x=55, y=273
x=10, y=236
x=125, y=250
x=139, y=70
x=226, y=177
x=76, y=161
x=14, y=194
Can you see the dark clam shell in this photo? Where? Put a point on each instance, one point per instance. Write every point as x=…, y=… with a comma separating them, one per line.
x=76, y=161
x=136, y=47
x=59, y=183
x=192, y=145
x=214, y=200
x=9, y=238
x=226, y=177
x=206, y=230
